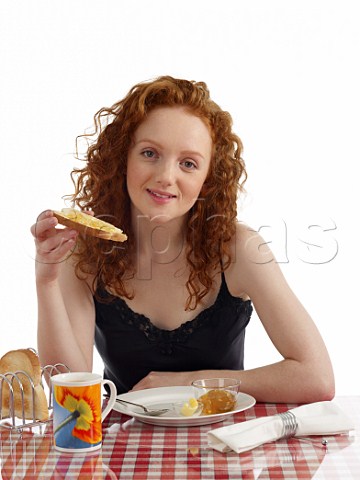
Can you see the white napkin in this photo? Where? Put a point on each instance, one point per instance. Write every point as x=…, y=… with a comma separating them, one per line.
x=321, y=418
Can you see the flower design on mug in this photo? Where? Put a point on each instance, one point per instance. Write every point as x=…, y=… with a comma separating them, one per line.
x=81, y=403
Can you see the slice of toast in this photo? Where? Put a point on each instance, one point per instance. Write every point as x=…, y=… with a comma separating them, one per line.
x=27, y=393
x=89, y=225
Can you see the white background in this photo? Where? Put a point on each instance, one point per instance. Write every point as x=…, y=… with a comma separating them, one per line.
x=288, y=71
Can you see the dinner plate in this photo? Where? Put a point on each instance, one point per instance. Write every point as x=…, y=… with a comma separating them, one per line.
x=166, y=397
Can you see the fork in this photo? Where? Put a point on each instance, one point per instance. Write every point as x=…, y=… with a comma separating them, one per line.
x=147, y=411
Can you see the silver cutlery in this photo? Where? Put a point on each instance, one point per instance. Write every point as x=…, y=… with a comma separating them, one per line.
x=153, y=412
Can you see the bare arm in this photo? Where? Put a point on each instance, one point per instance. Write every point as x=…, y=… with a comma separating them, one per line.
x=305, y=373
x=66, y=316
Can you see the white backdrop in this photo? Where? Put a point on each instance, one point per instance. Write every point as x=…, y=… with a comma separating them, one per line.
x=288, y=71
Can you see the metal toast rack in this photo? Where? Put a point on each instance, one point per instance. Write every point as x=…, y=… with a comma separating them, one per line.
x=14, y=423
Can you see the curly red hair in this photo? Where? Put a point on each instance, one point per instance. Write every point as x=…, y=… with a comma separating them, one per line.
x=101, y=186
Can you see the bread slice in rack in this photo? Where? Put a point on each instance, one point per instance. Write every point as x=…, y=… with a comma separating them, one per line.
x=11, y=364
x=89, y=225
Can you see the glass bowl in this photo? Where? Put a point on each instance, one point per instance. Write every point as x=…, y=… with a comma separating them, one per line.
x=216, y=395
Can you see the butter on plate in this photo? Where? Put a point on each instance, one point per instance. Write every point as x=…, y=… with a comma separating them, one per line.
x=189, y=408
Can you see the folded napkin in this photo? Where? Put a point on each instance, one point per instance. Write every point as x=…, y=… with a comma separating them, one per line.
x=321, y=418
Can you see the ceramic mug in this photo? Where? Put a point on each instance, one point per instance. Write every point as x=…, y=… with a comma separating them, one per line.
x=77, y=414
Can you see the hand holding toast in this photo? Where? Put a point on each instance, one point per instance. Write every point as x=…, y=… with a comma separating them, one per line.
x=52, y=246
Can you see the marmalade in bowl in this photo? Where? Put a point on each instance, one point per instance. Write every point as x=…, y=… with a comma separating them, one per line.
x=217, y=401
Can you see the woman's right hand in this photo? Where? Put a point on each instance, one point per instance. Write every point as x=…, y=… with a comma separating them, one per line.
x=53, y=246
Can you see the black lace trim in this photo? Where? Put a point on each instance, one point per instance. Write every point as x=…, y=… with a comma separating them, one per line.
x=166, y=339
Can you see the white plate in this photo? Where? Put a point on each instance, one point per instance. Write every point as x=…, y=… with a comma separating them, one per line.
x=165, y=397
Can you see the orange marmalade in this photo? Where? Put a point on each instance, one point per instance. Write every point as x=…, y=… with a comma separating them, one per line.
x=217, y=401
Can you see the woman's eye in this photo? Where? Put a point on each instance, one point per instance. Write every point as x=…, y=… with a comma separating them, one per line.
x=148, y=154
x=189, y=164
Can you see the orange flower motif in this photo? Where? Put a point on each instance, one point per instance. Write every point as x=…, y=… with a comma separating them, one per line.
x=81, y=403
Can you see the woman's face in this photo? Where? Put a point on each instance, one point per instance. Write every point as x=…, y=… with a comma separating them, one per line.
x=168, y=162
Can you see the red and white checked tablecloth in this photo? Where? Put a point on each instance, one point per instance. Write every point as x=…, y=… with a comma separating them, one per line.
x=132, y=450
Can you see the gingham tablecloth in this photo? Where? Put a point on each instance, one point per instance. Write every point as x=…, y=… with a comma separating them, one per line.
x=132, y=450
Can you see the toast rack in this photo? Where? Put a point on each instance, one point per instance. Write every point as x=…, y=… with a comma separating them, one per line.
x=14, y=423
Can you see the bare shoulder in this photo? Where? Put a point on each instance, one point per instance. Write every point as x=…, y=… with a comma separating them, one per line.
x=249, y=247
x=252, y=262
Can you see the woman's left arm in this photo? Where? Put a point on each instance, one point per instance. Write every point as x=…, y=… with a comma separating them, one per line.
x=305, y=374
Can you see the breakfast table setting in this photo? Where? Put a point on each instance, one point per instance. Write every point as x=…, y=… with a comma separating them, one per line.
x=178, y=432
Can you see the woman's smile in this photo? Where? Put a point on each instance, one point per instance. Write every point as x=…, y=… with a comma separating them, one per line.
x=159, y=196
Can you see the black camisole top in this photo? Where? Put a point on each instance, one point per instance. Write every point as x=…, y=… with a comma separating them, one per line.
x=131, y=346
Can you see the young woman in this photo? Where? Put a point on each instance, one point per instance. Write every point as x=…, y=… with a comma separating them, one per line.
x=171, y=304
